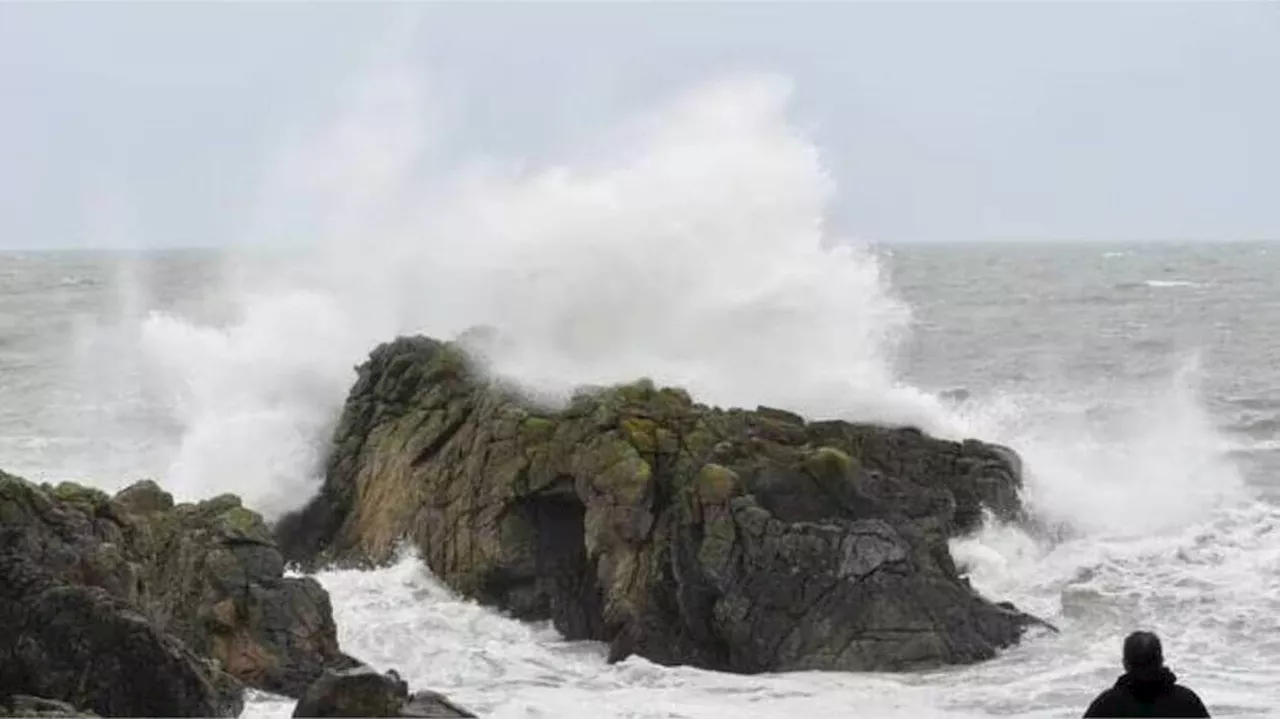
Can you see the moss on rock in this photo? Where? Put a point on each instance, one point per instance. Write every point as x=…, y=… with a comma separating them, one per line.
x=686, y=533
x=716, y=483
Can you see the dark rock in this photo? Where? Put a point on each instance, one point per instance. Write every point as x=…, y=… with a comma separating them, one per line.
x=22, y=705
x=363, y=692
x=80, y=645
x=208, y=574
x=729, y=539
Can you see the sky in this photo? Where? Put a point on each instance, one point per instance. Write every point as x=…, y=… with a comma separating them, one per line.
x=151, y=125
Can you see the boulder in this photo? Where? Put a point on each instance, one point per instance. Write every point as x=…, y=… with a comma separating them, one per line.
x=205, y=577
x=727, y=539
x=363, y=692
x=216, y=579
x=82, y=646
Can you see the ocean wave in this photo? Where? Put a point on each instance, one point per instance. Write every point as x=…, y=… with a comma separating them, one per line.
x=1158, y=284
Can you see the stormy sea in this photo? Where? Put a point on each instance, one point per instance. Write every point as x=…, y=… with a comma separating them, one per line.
x=1135, y=379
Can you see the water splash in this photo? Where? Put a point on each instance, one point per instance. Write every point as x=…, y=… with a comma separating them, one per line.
x=688, y=247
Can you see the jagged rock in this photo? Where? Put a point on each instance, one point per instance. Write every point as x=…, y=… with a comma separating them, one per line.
x=363, y=692
x=82, y=646
x=207, y=573
x=728, y=539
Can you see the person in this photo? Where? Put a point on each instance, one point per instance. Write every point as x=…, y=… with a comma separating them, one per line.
x=1147, y=688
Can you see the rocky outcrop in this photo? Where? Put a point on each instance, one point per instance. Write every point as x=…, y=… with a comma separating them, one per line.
x=97, y=587
x=363, y=692
x=82, y=646
x=740, y=540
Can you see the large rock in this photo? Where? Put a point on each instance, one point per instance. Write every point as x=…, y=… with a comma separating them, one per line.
x=206, y=577
x=740, y=540
x=82, y=646
x=363, y=692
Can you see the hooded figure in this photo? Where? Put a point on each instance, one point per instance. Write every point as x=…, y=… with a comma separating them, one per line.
x=1147, y=688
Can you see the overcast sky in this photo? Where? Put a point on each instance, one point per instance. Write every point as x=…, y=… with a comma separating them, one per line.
x=939, y=121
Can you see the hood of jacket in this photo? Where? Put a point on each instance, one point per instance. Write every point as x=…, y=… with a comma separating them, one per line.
x=1147, y=684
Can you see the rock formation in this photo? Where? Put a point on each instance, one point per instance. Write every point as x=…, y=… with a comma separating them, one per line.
x=133, y=605
x=737, y=540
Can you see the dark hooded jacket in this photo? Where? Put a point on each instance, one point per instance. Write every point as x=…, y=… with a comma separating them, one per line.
x=1147, y=694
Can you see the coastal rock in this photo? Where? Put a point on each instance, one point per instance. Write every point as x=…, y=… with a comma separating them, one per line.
x=729, y=539
x=216, y=579
x=363, y=692
x=203, y=577
x=80, y=645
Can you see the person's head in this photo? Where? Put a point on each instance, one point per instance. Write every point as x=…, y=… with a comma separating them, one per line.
x=1142, y=652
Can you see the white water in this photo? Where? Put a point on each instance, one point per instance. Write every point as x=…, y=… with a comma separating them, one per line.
x=688, y=246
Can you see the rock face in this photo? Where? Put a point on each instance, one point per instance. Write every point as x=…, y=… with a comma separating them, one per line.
x=95, y=588
x=738, y=540
x=363, y=692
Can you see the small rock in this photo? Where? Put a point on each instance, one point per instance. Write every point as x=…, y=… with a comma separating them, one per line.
x=144, y=497
x=363, y=692
x=432, y=705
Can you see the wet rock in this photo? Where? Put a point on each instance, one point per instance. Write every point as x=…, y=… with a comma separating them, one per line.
x=363, y=692
x=206, y=575
x=729, y=539
x=80, y=645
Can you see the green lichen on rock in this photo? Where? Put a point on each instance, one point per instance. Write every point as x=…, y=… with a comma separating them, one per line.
x=729, y=539
x=534, y=430
x=243, y=524
x=640, y=390
x=613, y=467
x=642, y=434
x=716, y=549
x=829, y=464
x=79, y=495
x=716, y=483
x=206, y=576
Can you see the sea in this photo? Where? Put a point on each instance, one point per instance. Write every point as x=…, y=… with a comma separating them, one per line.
x=1137, y=380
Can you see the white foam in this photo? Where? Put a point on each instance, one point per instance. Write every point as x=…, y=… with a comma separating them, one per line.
x=689, y=247
x=1129, y=459
x=500, y=668
x=256, y=399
